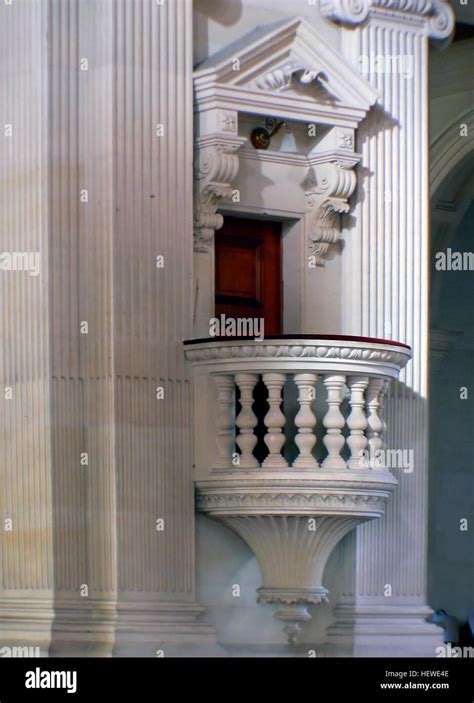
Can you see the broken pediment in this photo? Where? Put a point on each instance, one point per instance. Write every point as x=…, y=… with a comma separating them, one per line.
x=286, y=69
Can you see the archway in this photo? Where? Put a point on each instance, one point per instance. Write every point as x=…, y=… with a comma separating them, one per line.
x=451, y=543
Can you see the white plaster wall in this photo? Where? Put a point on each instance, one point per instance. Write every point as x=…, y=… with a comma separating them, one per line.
x=219, y=22
x=243, y=626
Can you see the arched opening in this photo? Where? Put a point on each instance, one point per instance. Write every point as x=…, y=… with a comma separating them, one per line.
x=451, y=540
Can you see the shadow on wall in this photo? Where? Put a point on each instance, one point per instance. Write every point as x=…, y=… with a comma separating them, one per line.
x=227, y=579
x=224, y=12
x=451, y=542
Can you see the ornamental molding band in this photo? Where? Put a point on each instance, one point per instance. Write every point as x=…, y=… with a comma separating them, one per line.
x=436, y=16
x=287, y=71
x=293, y=510
x=231, y=355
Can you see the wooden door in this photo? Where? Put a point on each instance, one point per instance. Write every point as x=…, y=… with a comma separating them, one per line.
x=248, y=271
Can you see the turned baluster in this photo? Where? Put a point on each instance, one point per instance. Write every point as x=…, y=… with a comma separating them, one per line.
x=274, y=421
x=357, y=421
x=375, y=423
x=334, y=421
x=246, y=420
x=383, y=395
x=225, y=421
x=305, y=421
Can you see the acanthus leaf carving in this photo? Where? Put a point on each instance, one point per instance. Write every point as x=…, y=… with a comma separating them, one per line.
x=276, y=80
x=279, y=79
x=216, y=166
x=326, y=201
x=307, y=351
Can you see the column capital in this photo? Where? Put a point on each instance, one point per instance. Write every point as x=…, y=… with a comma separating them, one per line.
x=438, y=15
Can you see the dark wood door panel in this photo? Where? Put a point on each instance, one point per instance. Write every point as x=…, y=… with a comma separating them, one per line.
x=248, y=271
x=239, y=272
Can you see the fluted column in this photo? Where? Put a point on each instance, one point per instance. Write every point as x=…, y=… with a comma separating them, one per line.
x=385, y=262
x=26, y=488
x=97, y=442
x=152, y=258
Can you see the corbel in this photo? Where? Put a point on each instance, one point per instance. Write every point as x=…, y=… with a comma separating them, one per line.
x=330, y=183
x=215, y=167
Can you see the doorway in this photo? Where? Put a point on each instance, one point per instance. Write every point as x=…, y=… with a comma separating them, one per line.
x=248, y=278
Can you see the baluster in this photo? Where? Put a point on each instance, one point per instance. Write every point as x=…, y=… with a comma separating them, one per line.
x=305, y=421
x=246, y=420
x=274, y=421
x=375, y=423
x=334, y=421
x=225, y=438
x=383, y=395
x=357, y=421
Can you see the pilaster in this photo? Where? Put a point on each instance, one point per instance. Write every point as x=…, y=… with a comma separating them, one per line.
x=98, y=479
x=26, y=487
x=385, y=294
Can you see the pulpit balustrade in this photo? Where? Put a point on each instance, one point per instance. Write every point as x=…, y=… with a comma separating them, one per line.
x=323, y=423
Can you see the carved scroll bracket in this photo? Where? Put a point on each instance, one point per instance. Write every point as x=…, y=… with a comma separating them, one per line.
x=330, y=184
x=216, y=166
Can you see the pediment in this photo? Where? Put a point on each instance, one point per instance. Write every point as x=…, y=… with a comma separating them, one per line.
x=286, y=63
